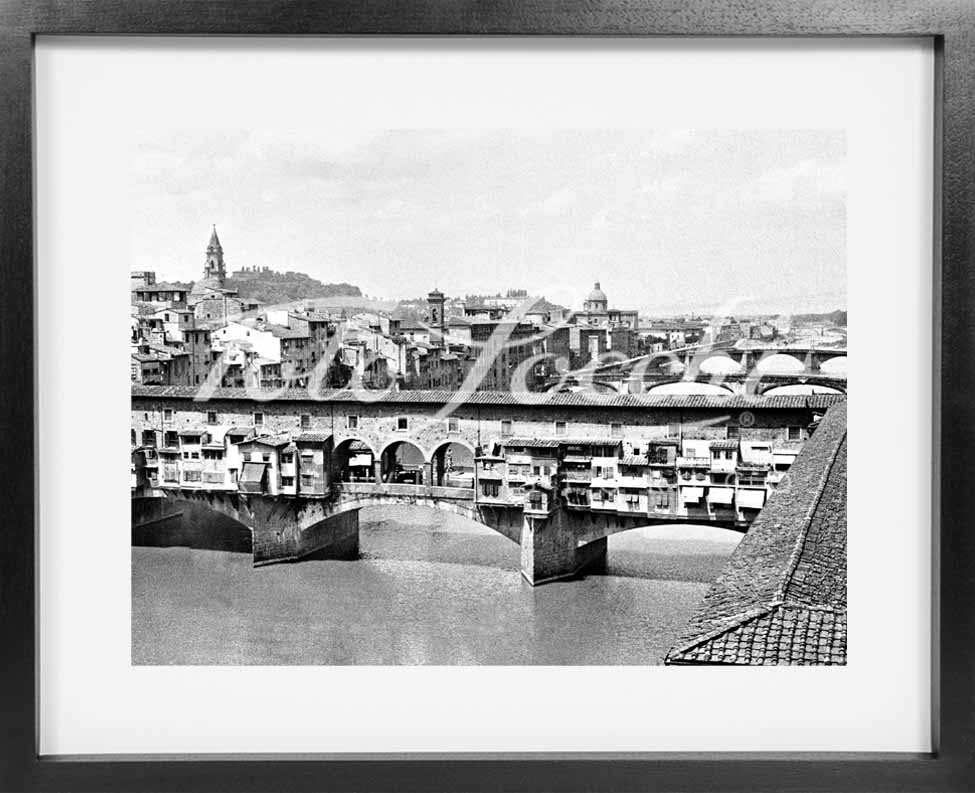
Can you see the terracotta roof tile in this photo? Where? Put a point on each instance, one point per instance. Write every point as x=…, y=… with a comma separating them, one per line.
x=503, y=398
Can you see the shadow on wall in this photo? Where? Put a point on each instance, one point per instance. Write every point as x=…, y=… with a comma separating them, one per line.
x=159, y=523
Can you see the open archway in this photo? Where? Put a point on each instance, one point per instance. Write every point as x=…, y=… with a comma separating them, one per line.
x=402, y=462
x=354, y=461
x=453, y=465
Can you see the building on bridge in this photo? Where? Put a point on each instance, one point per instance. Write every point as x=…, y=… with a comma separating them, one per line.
x=710, y=459
x=556, y=473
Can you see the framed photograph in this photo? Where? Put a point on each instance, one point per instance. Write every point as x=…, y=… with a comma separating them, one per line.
x=540, y=397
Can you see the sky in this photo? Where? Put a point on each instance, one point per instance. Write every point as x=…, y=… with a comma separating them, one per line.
x=669, y=222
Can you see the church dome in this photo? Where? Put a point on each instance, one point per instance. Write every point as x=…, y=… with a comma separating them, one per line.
x=597, y=295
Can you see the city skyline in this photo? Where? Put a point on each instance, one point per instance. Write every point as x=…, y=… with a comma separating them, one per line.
x=472, y=212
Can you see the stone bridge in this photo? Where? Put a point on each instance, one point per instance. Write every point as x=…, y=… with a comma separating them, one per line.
x=544, y=470
x=770, y=359
x=748, y=371
x=560, y=544
x=740, y=384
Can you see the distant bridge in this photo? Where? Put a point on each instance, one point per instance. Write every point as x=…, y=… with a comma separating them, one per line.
x=746, y=371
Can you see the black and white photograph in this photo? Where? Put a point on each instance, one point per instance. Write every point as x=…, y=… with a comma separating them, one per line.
x=489, y=397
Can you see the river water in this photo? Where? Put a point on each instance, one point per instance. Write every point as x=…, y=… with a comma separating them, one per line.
x=429, y=588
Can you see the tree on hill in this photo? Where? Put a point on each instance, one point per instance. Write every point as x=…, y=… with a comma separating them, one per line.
x=268, y=286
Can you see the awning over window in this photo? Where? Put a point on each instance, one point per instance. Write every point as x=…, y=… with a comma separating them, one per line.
x=360, y=460
x=252, y=478
x=753, y=499
x=253, y=472
x=721, y=495
x=783, y=459
x=691, y=495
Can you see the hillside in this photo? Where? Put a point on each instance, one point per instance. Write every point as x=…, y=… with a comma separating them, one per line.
x=269, y=286
x=837, y=317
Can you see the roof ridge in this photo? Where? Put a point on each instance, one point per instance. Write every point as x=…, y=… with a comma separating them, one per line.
x=737, y=621
x=788, y=604
x=800, y=545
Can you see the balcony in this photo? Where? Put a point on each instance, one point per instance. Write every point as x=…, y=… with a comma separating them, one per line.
x=723, y=466
x=631, y=507
x=693, y=462
x=577, y=503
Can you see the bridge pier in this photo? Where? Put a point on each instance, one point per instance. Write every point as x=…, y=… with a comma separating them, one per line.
x=281, y=529
x=336, y=537
x=550, y=550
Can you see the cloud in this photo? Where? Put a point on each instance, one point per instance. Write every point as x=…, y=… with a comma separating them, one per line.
x=806, y=179
x=555, y=204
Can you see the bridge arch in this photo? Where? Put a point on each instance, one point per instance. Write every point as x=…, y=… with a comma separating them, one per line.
x=780, y=363
x=353, y=460
x=187, y=523
x=791, y=389
x=403, y=461
x=572, y=386
x=720, y=364
x=690, y=387
x=835, y=365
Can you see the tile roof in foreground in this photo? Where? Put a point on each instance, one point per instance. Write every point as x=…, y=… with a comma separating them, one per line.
x=496, y=398
x=782, y=597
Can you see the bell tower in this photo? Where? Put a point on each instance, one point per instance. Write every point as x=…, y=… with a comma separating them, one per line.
x=438, y=323
x=213, y=269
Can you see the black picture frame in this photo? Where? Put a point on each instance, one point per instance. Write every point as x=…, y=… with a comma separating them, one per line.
x=951, y=26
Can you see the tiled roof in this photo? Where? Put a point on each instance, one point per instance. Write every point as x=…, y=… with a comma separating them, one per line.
x=517, y=399
x=160, y=287
x=549, y=443
x=782, y=597
x=310, y=436
x=311, y=316
x=633, y=459
x=271, y=440
x=727, y=443
x=284, y=332
x=533, y=443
